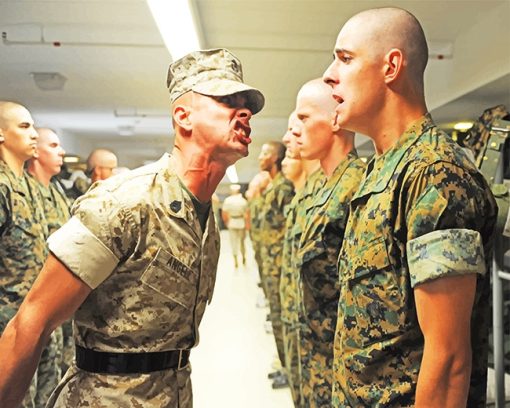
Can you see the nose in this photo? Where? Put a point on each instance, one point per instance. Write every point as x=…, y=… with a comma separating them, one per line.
x=62, y=152
x=329, y=76
x=34, y=134
x=244, y=114
x=286, y=139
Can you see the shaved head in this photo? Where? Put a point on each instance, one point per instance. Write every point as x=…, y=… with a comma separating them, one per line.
x=390, y=27
x=45, y=135
x=317, y=95
x=7, y=110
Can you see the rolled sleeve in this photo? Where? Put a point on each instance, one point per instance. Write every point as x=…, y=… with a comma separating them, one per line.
x=82, y=252
x=445, y=253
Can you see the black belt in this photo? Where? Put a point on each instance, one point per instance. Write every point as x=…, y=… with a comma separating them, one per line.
x=129, y=363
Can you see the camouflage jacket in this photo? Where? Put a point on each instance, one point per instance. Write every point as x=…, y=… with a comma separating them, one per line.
x=136, y=240
x=290, y=281
x=422, y=212
x=54, y=204
x=255, y=207
x=317, y=255
x=23, y=232
x=277, y=196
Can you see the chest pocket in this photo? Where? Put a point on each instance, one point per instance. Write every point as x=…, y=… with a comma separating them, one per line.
x=172, y=279
x=373, y=294
x=26, y=225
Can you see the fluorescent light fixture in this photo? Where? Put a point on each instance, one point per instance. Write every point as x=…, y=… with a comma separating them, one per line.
x=176, y=25
x=71, y=159
x=232, y=174
x=463, y=126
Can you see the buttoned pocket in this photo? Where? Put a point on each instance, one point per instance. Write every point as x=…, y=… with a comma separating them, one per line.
x=375, y=292
x=171, y=278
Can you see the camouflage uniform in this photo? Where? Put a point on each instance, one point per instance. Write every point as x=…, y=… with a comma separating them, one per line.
x=49, y=371
x=289, y=282
x=23, y=250
x=326, y=218
x=277, y=196
x=422, y=212
x=136, y=240
x=255, y=207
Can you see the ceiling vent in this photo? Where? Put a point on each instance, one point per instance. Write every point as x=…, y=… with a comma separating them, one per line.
x=49, y=81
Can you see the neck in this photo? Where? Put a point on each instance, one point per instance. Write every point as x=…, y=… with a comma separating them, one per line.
x=300, y=181
x=274, y=171
x=339, y=150
x=198, y=172
x=14, y=163
x=311, y=166
x=39, y=174
x=393, y=120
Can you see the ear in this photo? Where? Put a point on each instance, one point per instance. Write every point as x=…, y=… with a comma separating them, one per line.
x=394, y=62
x=181, y=116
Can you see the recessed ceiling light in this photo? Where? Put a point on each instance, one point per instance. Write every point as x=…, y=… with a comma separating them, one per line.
x=49, y=81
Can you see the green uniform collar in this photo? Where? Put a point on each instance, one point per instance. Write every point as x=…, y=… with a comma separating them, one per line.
x=382, y=168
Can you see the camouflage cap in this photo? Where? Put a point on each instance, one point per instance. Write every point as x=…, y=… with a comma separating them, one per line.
x=215, y=72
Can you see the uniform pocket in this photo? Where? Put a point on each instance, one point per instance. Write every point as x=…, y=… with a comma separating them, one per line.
x=171, y=278
x=375, y=292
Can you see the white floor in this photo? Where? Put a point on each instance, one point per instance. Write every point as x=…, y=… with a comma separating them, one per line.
x=234, y=356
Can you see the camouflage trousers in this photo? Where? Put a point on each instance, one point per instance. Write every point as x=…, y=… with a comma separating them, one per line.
x=159, y=389
x=292, y=362
x=317, y=373
x=275, y=308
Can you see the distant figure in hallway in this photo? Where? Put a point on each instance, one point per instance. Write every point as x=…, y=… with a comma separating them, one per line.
x=100, y=164
x=234, y=213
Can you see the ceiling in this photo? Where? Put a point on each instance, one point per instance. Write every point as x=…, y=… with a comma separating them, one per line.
x=115, y=63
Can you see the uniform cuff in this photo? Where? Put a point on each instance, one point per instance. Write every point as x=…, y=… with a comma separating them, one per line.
x=445, y=253
x=82, y=252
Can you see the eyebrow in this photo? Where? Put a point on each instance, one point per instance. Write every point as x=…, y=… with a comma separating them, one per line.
x=342, y=51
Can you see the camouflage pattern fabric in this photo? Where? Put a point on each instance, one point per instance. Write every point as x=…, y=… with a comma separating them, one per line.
x=277, y=196
x=289, y=282
x=255, y=206
x=23, y=231
x=423, y=211
x=49, y=371
x=478, y=136
x=215, y=72
x=152, y=274
x=320, y=242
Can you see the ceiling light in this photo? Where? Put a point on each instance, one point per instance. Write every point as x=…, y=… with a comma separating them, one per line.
x=232, y=174
x=176, y=25
x=463, y=126
x=71, y=159
x=49, y=81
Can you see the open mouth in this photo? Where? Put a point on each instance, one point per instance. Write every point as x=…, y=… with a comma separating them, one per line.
x=242, y=133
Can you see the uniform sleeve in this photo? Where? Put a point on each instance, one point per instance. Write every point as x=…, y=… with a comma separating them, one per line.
x=4, y=209
x=98, y=236
x=444, y=216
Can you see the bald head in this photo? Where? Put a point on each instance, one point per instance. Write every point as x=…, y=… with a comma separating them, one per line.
x=101, y=163
x=390, y=27
x=317, y=95
x=8, y=112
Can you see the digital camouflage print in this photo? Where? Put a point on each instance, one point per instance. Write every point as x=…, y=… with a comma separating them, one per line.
x=153, y=272
x=23, y=231
x=49, y=371
x=289, y=281
x=276, y=197
x=326, y=217
x=422, y=212
x=255, y=207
